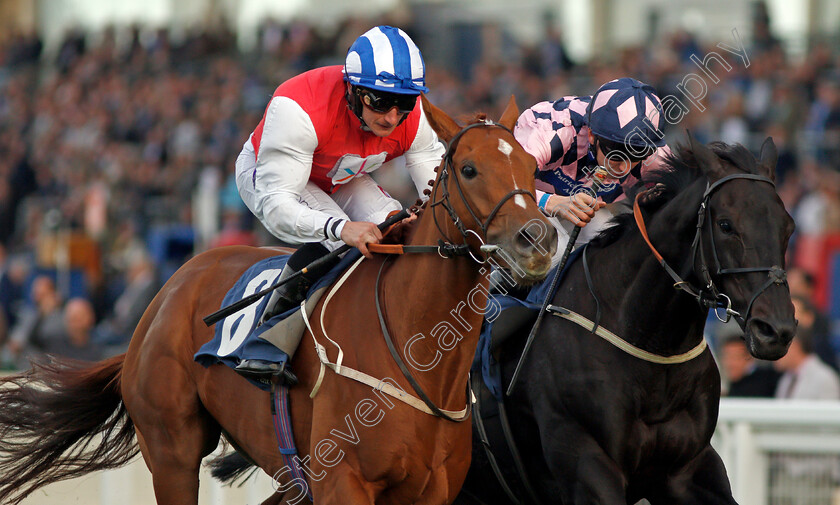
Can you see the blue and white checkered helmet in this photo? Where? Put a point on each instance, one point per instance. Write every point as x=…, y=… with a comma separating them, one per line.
x=624, y=106
x=385, y=58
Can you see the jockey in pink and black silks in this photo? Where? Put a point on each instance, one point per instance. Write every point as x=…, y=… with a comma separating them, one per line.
x=304, y=171
x=589, y=149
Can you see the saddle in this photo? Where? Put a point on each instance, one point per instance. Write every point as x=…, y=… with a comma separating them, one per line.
x=240, y=336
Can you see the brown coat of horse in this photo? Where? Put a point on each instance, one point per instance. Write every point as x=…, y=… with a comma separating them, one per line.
x=356, y=445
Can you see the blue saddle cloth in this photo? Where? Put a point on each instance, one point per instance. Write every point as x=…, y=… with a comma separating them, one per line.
x=484, y=362
x=237, y=336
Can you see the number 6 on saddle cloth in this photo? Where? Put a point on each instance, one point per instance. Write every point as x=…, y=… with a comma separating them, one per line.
x=243, y=336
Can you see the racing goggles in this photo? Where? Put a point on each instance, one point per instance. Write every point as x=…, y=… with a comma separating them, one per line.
x=382, y=101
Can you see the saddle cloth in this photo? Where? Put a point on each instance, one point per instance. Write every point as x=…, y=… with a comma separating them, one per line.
x=238, y=337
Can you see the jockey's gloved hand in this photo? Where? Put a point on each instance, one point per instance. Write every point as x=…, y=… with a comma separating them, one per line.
x=579, y=209
x=360, y=233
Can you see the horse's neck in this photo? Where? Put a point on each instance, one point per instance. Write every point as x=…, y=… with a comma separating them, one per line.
x=651, y=313
x=434, y=311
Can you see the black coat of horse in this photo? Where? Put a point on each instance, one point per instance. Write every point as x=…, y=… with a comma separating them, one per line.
x=595, y=425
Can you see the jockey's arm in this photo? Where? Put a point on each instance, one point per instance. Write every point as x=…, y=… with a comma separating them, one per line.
x=284, y=164
x=538, y=138
x=424, y=155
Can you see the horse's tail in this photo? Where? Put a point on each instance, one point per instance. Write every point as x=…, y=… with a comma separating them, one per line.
x=230, y=467
x=61, y=419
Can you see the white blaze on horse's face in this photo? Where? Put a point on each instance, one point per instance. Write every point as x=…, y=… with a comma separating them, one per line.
x=506, y=149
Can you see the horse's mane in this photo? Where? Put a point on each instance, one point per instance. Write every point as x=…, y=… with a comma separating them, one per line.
x=679, y=172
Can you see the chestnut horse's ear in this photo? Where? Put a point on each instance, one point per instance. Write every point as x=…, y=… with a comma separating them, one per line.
x=768, y=157
x=707, y=160
x=510, y=115
x=441, y=123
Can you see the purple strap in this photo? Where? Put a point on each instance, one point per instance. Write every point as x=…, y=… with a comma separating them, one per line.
x=283, y=431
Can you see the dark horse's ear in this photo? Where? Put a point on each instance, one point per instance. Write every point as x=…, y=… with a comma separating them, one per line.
x=441, y=123
x=768, y=157
x=707, y=160
x=510, y=115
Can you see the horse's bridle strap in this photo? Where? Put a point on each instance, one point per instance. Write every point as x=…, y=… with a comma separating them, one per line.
x=444, y=201
x=640, y=223
x=623, y=344
x=776, y=275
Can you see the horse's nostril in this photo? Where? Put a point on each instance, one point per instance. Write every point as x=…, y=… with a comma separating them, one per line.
x=524, y=242
x=763, y=328
x=781, y=331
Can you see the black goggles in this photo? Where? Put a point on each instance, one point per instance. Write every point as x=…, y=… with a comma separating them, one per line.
x=382, y=101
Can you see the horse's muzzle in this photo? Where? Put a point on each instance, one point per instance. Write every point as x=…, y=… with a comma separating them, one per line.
x=767, y=339
x=531, y=254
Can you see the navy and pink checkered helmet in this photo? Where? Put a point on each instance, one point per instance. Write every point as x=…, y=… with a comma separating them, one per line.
x=628, y=111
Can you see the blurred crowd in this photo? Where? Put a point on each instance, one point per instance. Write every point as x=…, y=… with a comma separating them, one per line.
x=117, y=151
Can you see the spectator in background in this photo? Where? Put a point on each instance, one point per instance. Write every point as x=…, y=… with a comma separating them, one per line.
x=804, y=375
x=40, y=324
x=747, y=378
x=78, y=324
x=12, y=275
x=142, y=286
x=801, y=283
x=814, y=326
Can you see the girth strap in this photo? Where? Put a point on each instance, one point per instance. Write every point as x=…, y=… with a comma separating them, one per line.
x=283, y=431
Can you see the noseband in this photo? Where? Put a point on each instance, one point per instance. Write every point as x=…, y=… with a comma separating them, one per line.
x=709, y=297
x=446, y=203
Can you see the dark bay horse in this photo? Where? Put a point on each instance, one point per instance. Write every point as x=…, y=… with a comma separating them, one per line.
x=596, y=425
x=356, y=444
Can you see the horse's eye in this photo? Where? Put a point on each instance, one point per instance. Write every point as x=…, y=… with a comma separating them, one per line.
x=726, y=226
x=469, y=171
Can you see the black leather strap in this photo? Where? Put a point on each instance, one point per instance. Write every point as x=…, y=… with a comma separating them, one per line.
x=591, y=286
x=485, y=440
x=406, y=372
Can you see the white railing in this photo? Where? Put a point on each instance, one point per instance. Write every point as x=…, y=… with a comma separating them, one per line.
x=751, y=435
x=754, y=435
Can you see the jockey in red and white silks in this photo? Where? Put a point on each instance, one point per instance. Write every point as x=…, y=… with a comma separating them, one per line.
x=304, y=170
x=589, y=151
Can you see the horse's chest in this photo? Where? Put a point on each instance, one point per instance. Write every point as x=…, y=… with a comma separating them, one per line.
x=671, y=433
x=421, y=465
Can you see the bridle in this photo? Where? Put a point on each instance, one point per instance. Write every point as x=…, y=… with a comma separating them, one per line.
x=708, y=296
x=443, y=185
x=447, y=249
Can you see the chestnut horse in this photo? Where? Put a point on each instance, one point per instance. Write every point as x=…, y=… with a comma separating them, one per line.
x=355, y=444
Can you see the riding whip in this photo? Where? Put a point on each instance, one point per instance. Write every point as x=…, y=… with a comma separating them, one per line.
x=235, y=307
x=569, y=246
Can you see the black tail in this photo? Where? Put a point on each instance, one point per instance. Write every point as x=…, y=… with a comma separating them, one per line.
x=59, y=420
x=231, y=467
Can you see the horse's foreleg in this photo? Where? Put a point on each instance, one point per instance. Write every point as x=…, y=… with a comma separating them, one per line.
x=702, y=482
x=589, y=477
x=343, y=486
